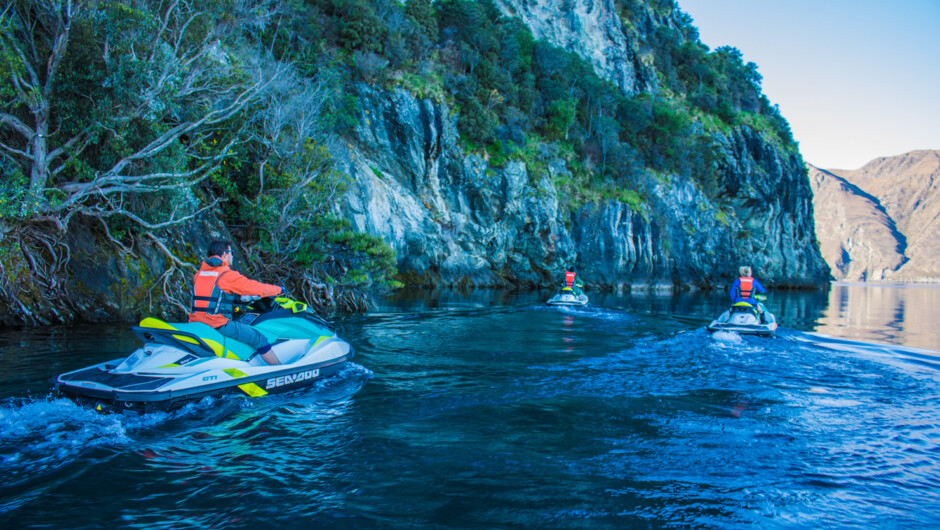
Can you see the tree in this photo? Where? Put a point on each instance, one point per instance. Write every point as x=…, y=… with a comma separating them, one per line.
x=33, y=43
x=160, y=77
x=561, y=115
x=606, y=132
x=115, y=113
x=361, y=28
x=297, y=186
x=422, y=13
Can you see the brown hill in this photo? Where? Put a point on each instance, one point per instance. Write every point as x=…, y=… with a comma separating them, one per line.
x=883, y=217
x=856, y=237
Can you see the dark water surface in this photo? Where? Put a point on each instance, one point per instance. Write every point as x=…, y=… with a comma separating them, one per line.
x=490, y=410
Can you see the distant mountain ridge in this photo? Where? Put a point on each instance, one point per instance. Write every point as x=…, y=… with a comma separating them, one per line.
x=881, y=222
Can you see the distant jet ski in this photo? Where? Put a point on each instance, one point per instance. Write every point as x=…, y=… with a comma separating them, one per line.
x=567, y=298
x=184, y=362
x=744, y=319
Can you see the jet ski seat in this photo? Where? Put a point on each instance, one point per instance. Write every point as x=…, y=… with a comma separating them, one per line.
x=744, y=307
x=195, y=337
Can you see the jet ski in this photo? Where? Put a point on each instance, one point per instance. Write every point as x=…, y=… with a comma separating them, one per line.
x=567, y=297
x=184, y=362
x=745, y=319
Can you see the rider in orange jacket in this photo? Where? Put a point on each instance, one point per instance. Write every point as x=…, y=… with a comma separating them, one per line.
x=216, y=288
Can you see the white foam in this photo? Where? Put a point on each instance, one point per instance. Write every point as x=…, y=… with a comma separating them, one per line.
x=728, y=337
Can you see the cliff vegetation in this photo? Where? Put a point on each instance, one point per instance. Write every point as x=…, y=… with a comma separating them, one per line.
x=348, y=146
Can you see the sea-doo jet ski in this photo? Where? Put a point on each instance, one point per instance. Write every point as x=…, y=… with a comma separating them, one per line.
x=184, y=362
x=745, y=319
x=567, y=297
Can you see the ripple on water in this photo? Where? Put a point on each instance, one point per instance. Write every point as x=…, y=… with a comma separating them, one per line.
x=519, y=416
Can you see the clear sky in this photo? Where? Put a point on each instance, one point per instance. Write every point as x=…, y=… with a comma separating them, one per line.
x=856, y=79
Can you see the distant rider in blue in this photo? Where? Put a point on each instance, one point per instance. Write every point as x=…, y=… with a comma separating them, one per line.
x=744, y=289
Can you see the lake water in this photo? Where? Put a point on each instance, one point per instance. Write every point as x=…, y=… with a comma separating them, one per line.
x=490, y=410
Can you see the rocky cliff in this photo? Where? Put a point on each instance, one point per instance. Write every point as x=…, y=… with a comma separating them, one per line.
x=110, y=282
x=882, y=221
x=454, y=218
x=593, y=30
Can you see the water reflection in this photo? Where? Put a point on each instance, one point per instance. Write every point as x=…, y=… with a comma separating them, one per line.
x=28, y=356
x=487, y=409
x=892, y=314
x=887, y=314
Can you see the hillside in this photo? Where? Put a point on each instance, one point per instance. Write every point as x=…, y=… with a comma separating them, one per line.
x=651, y=161
x=856, y=237
x=881, y=221
x=352, y=146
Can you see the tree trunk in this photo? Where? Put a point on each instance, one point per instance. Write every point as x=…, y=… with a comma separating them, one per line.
x=39, y=149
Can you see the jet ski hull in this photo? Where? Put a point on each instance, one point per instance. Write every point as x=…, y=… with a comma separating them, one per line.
x=184, y=362
x=568, y=299
x=744, y=320
x=108, y=390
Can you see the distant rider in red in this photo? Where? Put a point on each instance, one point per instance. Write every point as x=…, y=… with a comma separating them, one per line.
x=573, y=282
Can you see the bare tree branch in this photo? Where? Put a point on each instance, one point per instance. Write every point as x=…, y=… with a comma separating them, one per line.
x=191, y=73
x=14, y=123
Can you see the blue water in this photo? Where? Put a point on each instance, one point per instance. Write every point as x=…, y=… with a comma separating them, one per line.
x=490, y=410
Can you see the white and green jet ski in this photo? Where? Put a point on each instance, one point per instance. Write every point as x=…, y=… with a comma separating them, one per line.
x=184, y=362
x=745, y=319
x=567, y=297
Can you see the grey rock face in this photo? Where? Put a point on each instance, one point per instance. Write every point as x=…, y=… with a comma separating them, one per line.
x=590, y=29
x=451, y=218
x=771, y=199
x=454, y=219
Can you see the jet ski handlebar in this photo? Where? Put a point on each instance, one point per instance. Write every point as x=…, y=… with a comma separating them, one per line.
x=267, y=304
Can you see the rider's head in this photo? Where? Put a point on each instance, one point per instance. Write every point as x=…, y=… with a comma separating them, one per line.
x=222, y=249
x=745, y=271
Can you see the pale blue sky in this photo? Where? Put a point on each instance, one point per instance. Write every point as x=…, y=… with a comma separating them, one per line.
x=856, y=79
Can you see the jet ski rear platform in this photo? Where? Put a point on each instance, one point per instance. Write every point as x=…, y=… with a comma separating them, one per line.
x=567, y=298
x=744, y=319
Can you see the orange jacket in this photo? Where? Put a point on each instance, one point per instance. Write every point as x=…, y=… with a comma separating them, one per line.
x=229, y=281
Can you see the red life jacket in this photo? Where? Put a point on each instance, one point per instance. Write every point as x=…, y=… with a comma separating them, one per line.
x=569, y=279
x=208, y=298
x=747, y=285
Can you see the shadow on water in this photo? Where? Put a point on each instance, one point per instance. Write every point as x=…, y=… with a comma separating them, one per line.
x=798, y=309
